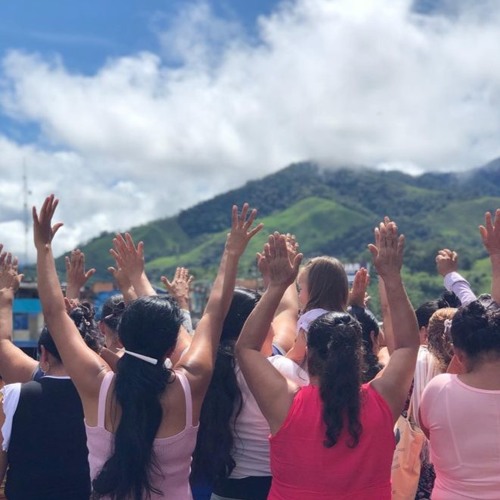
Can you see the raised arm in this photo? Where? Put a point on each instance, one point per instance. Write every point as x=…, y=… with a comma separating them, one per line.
x=272, y=391
x=447, y=267
x=490, y=234
x=386, y=316
x=285, y=318
x=76, y=276
x=358, y=296
x=198, y=361
x=84, y=366
x=15, y=365
x=179, y=288
x=395, y=381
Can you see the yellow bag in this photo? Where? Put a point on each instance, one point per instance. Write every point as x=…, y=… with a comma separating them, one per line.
x=405, y=471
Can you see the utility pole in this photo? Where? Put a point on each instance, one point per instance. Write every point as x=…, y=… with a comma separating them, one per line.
x=26, y=192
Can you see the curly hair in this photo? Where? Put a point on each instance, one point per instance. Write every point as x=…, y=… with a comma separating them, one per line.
x=335, y=355
x=475, y=329
x=83, y=315
x=439, y=336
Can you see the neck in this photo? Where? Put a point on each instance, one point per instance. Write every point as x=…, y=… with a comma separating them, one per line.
x=57, y=371
x=483, y=375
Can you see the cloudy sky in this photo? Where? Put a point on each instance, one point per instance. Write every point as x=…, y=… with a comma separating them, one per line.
x=131, y=111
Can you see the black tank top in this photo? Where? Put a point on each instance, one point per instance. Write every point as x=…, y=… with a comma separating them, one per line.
x=47, y=455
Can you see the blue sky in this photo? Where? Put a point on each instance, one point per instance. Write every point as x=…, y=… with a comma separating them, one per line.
x=86, y=34
x=134, y=110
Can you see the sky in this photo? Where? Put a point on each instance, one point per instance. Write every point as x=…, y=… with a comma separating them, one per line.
x=132, y=111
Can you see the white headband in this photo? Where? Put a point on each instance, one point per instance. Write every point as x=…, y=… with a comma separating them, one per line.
x=148, y=359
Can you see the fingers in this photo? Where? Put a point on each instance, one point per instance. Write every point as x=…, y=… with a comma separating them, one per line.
x=373, y=250
x=296, y=262
x=255, y=230
x=90, y=273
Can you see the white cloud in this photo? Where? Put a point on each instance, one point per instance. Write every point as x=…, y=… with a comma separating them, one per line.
x=341, y=81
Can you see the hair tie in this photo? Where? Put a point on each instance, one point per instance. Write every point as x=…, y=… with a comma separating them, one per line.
x=447, y=326
x=142, y=357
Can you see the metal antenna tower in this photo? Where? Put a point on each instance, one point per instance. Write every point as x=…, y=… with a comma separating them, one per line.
x=26, y=192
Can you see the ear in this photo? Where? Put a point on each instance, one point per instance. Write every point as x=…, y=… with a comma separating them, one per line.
x=461, y=356
x=423, y=335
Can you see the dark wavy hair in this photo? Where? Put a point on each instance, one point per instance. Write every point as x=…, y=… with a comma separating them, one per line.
x=148, y=326
x=475, y=329
x=83, y=315
x=368, y=324
x=327, y=284
x=112, y=311
x=212, y=460
x=335, y=355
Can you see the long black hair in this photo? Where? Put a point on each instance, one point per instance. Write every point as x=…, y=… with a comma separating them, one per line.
x=212, y=460
x=368, y=324
x=335, y=356
x=148, y=326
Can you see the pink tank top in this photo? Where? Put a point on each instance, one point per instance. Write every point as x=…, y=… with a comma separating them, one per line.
x=303, y=468
x=173, y=453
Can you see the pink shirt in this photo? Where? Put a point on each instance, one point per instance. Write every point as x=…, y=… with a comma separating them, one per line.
x=464, y=428
x=304, y=469
x=173, y=453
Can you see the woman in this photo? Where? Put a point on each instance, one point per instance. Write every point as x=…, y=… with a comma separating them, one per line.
x=141, y=423
x=322, y=286
x=232, y=451
x=334, y=438
x=459, y=413
x=43, y=435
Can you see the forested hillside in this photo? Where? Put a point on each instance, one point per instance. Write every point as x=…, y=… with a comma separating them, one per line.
x=331, y=212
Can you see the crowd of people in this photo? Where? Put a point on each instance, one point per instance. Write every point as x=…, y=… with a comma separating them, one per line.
x=293, y=393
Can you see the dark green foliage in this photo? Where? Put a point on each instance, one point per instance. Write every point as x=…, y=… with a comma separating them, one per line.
x=331, y=212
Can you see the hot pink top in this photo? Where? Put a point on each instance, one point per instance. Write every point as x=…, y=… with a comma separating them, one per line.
x=173, y=453
x=303, y=468
x=464, y=429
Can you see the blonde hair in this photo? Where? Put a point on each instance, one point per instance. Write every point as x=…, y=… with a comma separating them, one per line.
x=439, y=336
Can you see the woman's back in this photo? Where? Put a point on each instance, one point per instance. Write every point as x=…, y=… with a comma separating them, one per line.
x=47, y=453
x=303, y=467
x=464, y=427
x=173, y=453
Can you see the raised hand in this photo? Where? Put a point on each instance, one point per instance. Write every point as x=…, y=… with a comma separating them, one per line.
x=241, y=229
x=76, y=276
x=121, y=278
x=129, y=257
x=358, y=295
x=283, y=265
x=10, y=279
x=43, y=230
x=387, y=252
x=490, y=232
x=179, y=286
x=446, y=261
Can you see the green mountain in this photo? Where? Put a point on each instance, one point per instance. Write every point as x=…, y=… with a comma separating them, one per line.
x=330, y=212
